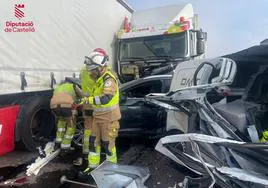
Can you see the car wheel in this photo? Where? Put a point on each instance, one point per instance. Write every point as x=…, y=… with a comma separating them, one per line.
x=35, y=122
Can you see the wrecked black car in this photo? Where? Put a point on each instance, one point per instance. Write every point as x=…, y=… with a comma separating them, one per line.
x=138, y=117
x=221, y=106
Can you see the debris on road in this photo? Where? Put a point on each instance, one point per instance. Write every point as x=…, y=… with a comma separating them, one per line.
x=18, y=181
x=42, y=160
x=133, y=152
x=64, y=180
x=111, y=175
x=193, y=151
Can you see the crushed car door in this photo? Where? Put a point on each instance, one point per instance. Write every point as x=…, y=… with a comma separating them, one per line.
x=137, y=116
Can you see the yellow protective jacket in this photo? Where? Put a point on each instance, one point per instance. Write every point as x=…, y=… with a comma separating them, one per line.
x=67, y=88
x=63, y=94
x=87, y=82
x=101, y=101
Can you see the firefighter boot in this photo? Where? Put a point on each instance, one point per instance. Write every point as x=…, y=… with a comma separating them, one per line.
x=66, y=143
x=94, y=158
x=113, y=157
x=93, y=162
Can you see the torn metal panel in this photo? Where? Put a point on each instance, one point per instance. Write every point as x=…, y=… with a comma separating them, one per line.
x=244, y=175
x=163, y=104
x=250, y=162
x=196, y=137
x=109, y=175
x=227, y=128
x=253, y=134
x=216, y=128
x=227, y=69
x=198, y=158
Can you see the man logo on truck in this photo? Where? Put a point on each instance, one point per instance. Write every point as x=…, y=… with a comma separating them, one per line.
x=187, y=82
x=18, y=12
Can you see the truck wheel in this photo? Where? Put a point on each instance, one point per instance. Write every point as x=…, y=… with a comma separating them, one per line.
x=36, y=122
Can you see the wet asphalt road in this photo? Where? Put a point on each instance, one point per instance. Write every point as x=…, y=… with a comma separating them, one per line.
x=137, y=151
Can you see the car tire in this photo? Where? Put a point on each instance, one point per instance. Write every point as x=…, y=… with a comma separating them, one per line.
x=35, y=114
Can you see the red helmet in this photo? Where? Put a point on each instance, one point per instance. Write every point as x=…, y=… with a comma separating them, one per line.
x=102, y=51
x=97, y=58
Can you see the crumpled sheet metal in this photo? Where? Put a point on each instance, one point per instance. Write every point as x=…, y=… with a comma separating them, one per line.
x=244, y=175
x=235, y=173
x=188, y=138
x=195, y=137
x=109, y=175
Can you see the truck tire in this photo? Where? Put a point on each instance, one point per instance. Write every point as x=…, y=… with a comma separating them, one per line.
x=35, y=122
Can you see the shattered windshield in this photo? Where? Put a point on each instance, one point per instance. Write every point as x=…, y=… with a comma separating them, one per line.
x=154, y=47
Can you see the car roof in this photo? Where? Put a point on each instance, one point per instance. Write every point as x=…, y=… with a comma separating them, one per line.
x=257, y=54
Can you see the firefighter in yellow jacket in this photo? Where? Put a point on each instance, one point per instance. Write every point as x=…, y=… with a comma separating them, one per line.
x=87, y=83
x=106, y=111
x=61, y=103
x=87, y=88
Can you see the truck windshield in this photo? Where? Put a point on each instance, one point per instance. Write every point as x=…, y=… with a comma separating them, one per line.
x=154, y=47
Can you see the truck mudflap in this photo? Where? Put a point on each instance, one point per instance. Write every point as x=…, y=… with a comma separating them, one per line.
x=8, y=116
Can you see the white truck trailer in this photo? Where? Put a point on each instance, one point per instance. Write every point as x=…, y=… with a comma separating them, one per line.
x=41, y=43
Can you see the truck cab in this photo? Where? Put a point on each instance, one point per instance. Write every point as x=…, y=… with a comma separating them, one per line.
x=156, y=40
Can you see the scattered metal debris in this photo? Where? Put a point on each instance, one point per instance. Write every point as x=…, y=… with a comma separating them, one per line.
x=109, y=175
x=186, y=150
x=18, y=181
x=41, y=161
x=230, y=124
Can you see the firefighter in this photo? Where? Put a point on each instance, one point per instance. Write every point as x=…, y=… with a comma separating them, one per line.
x=61, y=104
x=87, y=84
x=87, y=88
x=87, y=110
x=106, y=111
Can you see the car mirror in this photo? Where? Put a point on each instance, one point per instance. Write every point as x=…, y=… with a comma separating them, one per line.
x=201, y=41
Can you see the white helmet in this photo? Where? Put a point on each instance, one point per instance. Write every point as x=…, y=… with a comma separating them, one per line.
x=95, y=60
